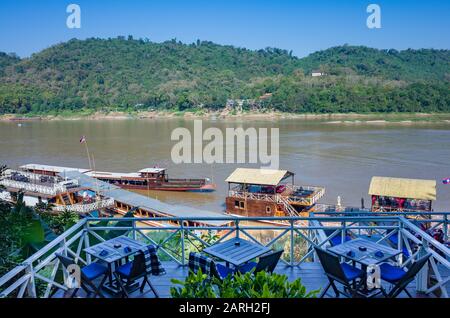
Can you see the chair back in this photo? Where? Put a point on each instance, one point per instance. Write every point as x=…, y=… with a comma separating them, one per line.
x=204, y=263
x=138, y=267
x=67, y=261
x=414, y=269
x=268, y=262
x=331, y=265
x=409, y=276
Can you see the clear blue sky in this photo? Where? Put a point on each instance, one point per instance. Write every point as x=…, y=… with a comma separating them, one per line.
x=302, y=26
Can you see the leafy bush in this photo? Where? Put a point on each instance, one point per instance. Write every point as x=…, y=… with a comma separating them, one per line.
x=261, y=285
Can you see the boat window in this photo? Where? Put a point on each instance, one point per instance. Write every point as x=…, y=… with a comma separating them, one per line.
x=268, y=209
x=242, y=204
x=236, y=204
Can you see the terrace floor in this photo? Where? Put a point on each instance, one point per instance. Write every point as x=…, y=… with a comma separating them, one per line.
x=312, y=276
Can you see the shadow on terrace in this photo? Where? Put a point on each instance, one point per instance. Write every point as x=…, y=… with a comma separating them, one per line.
x=357, y=254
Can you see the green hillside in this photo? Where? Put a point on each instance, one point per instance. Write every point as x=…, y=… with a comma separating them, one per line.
x=408, y=65
x=127, y=74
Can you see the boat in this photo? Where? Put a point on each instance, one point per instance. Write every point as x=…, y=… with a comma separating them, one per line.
x=266, y=192
x=146, y=179
x=60, y=194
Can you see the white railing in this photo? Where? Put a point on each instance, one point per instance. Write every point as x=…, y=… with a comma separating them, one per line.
x=42, y=268
x=85, y=208
x=292, y=199
x=31, y=187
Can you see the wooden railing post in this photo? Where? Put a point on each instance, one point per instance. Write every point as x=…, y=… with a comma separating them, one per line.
x=31, y=287
x=446, y=227
x=291, y=263
x=422, y=276
x=183, y=256
x=86, y=241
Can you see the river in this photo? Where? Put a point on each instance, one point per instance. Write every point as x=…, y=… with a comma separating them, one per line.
x=342, y=157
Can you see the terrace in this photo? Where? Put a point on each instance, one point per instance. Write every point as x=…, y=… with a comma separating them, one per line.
x=41, y=274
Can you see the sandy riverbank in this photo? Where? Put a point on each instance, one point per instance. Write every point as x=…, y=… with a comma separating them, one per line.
x=349, y=118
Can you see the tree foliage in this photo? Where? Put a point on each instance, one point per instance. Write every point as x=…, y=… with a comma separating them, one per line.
x=135, y=74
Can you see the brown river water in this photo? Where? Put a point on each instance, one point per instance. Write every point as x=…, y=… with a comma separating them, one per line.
x=342, y=157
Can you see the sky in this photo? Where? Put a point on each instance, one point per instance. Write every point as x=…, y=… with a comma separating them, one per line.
x=26, y=27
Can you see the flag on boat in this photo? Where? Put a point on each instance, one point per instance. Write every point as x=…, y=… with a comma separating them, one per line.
x=446, y=181
x=83, y=139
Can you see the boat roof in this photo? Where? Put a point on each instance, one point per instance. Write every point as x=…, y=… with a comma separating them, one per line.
x=113, y=174
x=57, y=169
x=152, y=170
x=144, y=202
x=403, y=188
x=258, y=176
x=90, y=172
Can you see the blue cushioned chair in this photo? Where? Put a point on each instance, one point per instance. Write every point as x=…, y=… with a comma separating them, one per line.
x=337, y=239
x=393, y=239
x=265, y=263
x=199, y=261
x=89, y=274
x=222, y=271
x=129, y=272
x=350, y=277
x=400, y=278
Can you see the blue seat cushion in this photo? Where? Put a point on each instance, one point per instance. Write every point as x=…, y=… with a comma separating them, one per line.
x=223, y=271
x=338, y=239
x=247, y=267
x=125, y=269
x=351, y=272
x=94, y=270
x=394, y=240
x=391, y=273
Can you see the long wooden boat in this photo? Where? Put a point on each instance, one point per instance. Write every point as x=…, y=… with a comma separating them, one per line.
x=146, y=179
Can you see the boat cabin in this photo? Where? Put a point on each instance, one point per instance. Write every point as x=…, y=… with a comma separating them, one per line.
x=400, y=194
x=266, y=192
x=47, y=170
x=153, y=173
x=62, y=194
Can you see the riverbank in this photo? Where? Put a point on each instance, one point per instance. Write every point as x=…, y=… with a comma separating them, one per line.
x=338, y=118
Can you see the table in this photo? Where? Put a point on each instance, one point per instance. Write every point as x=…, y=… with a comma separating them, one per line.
x=115, y=255
x=367, y=257
x=236, y=251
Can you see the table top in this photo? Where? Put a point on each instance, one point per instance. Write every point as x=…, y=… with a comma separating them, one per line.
x=115, y=254
x=236, y=254
x=364, y=257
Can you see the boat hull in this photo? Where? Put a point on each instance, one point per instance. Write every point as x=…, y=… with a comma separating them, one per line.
x=204, y=188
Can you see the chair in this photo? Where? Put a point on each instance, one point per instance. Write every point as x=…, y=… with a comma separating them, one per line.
x=266, y=263
x=337, y=239
x=393, y=239
x=400, y=278
x=207, y=265
x=342, y=273
x=88, y=273
x=132, y=271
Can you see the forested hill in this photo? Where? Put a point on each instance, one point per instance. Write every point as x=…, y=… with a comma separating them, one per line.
x=409, y=65
x=127, y=74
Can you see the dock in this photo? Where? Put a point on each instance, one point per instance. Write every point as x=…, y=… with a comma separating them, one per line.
x=144, y=206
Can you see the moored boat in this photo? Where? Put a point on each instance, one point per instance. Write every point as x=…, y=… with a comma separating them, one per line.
x=146, y=179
